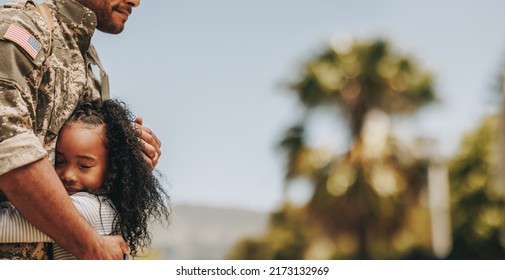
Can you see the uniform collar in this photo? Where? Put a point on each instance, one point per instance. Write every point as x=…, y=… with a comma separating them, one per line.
x=78, y=18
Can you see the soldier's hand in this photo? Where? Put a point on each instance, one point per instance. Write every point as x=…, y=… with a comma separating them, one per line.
x=116, y=246
x=151, y=145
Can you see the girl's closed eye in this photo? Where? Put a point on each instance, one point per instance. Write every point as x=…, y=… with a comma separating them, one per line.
x=59, y=161
x=86, y=163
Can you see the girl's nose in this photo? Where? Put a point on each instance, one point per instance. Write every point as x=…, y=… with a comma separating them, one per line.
x=67, y=176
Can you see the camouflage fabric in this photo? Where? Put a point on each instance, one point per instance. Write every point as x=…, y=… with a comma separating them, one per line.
x=42, y=77
x=38, y=93
x=24, y=251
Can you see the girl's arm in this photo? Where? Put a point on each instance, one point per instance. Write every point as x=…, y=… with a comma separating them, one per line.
x=16, y=229
x=95, y=210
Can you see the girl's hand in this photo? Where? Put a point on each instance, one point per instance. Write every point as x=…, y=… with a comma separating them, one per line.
x=151, y=144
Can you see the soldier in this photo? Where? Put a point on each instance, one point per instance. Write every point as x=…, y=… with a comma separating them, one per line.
x=45, y=69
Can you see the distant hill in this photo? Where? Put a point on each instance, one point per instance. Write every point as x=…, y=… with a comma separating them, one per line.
x=204, y=233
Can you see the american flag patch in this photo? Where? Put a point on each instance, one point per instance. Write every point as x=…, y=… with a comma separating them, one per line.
x=24, y=39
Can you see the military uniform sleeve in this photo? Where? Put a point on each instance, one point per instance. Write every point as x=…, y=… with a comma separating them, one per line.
x=19, y=145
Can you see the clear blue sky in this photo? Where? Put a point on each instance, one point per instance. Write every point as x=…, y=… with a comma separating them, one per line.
x=207, y=77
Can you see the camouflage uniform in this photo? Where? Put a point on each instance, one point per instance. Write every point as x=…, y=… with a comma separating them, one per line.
x=42, y=77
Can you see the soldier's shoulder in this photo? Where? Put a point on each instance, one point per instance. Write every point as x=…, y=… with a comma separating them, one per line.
x=22, y=18
x=21, y=12
x=25, y=17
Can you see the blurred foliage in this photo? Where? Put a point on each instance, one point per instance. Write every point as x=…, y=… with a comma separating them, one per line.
x=361, y=75
x=477, y=199
x=367, y=203
x=287, y=239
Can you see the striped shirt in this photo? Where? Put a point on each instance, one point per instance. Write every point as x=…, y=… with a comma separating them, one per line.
x=97, y=211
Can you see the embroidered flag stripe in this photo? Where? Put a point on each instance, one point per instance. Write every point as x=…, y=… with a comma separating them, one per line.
x=24, y=39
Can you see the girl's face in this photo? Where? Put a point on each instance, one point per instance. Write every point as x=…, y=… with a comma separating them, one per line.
x=81, y=157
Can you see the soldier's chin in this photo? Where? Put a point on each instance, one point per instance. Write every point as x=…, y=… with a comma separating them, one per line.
x=111, y=29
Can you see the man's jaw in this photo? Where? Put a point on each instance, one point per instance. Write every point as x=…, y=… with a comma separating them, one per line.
x=124, y=10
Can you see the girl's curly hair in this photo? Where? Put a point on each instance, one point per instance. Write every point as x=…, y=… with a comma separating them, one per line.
x=135, y=192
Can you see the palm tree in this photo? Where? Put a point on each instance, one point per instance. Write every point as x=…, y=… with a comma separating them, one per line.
x=364, y=200
x=369, y=192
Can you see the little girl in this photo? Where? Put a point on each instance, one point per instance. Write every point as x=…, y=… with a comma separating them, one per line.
x=100, y=163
